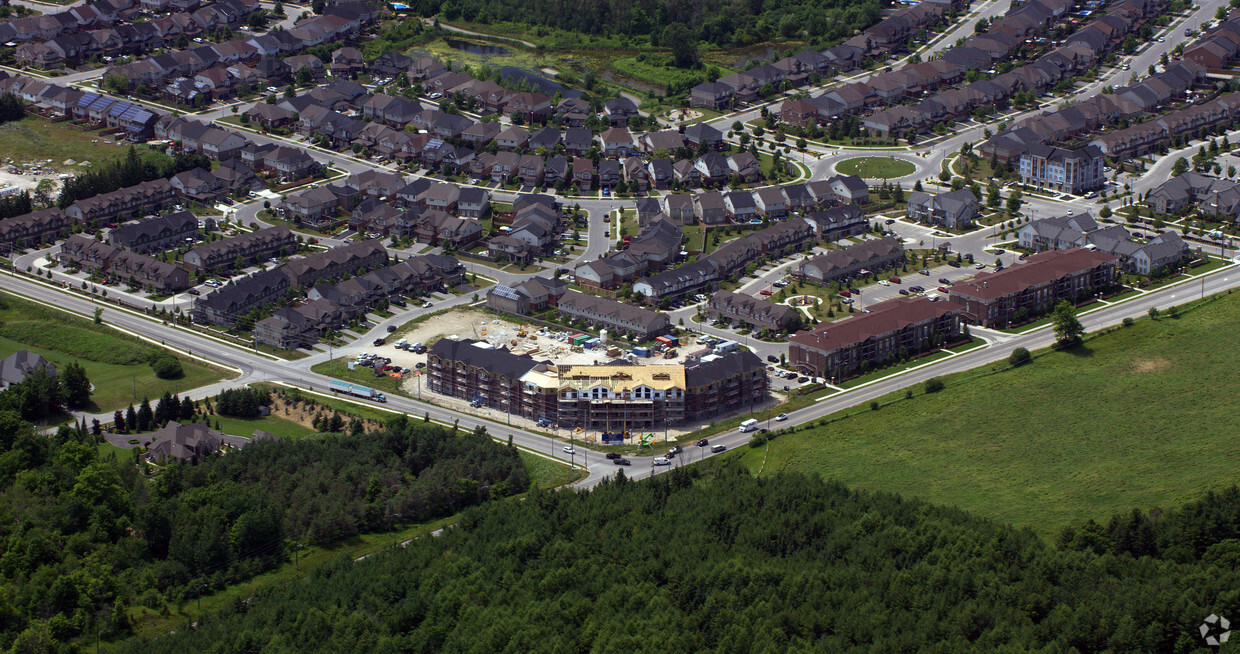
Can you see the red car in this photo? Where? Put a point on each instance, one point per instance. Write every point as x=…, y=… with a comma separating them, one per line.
x=895, y=280
x=845, y=294
x=944, y=289
x=765, y=291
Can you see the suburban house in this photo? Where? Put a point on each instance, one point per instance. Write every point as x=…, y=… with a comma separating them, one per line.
x=953, y=210
x=754, y=311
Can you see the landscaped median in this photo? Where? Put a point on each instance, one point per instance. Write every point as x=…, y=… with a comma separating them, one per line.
x=875, y=167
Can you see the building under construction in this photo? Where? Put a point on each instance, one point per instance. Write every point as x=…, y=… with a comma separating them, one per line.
x=609, y=398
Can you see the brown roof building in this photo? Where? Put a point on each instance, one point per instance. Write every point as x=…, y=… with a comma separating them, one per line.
x=1036, y=286
x=903, y=327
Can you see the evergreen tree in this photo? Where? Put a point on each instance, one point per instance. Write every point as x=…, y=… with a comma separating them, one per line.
x=131, y=419
x=145, y=415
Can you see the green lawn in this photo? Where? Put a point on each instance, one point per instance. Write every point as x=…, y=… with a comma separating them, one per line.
x=1141, y=417
x=657, y=69
x=545, y=473
x=273, y=424
x=114, y=362
x=881, y=167
x=34, y=139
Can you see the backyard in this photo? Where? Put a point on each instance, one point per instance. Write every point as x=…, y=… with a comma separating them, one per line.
x=1124, y=421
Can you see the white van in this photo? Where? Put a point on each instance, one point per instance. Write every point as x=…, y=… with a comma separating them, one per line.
x=662, y=461
x=749, y=425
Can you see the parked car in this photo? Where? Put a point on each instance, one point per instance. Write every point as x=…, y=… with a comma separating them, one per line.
x=890, y=220
x=999, y=250
x=1023, y=255
x=765, y=291
x=391, y=328
x=192, y=291
x=925, y=272
x=943, y=289
x=903, y=291
x=979, y=265
x=954, y=264
x=895, y=280
x=772, y=358
x=378, y=341
x=883, y=282
x=397, y=302
x=802, y=379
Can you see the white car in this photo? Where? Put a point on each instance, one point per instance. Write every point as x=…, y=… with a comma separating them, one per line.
x=883, y=282
x=568, y=449
x=435, y=96
x=979, y=266
x=781, y=417
x=426, y=305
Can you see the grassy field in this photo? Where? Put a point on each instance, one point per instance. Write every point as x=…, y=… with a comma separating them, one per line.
x=1141, y=417
x=545, y=473
x=272, y=424
x=872, y=167
x=33, y=139
x=654, y=71
x=115, y=363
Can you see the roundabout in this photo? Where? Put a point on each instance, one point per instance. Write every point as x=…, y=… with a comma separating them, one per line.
x=876, y=167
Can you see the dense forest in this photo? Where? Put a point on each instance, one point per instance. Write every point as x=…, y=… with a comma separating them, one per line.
x=83, y=536
x=711, y=559
x=723, y=23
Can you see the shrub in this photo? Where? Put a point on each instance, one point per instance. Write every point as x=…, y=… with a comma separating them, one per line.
x=1019, y=356
x=874, y=405
x=934, y=385
x=167, y=366
x=1127, y=322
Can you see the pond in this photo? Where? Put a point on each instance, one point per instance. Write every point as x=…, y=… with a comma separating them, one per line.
x=539, y=82
x=476, y=48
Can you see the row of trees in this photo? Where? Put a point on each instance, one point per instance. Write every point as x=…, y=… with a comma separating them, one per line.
x=703, y=559
x=675, y=26
x=129, y=171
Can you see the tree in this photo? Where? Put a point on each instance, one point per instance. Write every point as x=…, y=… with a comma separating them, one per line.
x=187, y=409
x=1179, y=167
x=917, y=186
x=304, y=76
x=76, y=385
x=1068, y=329
x=145, y=415
x=118, y=421
x=116, y=84
x=684, y=49
x=1019, y=356
x=934, y=384
x=167, y=366
x=131, y=419
x=1105, y=212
